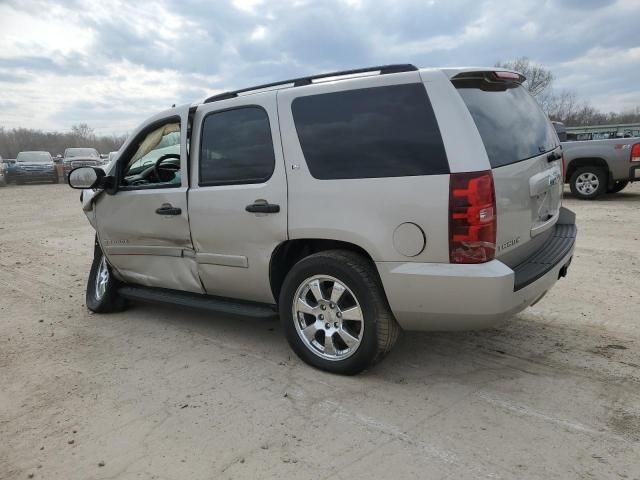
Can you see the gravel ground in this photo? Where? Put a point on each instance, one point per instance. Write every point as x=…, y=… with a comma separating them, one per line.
x=166, y=393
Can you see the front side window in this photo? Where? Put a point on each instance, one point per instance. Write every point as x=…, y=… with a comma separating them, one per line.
x=236, y=147
x=156, y=161
x=370, y=133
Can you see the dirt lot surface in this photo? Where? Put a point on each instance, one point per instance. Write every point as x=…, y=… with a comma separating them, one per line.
x=159, y=392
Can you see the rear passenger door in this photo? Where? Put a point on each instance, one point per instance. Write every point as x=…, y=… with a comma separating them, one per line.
x=238, y=195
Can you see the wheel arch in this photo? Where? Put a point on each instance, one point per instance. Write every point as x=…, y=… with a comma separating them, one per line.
x=289, y=252
x=576, y=163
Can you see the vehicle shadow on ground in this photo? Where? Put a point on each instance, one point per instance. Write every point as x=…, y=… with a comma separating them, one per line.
x=518, y=347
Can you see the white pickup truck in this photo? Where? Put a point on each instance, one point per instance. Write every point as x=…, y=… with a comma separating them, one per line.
x=594, y=167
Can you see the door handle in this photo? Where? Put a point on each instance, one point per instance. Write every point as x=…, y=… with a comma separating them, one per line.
x=263, y=207
x=168, y=209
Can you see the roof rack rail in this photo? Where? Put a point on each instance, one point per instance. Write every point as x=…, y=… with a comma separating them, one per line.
x=298, y=82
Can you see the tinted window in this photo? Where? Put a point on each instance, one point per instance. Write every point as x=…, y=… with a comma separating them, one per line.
x=372, y=132
x=510, y=122
x=236, y=147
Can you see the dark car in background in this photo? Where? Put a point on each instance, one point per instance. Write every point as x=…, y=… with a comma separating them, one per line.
x=35, y=167
x=80, y=157
x=3, y=173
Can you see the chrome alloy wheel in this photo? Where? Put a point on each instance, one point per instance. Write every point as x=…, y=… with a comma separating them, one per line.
x=587, y=183
x=102, y=279
x=328, y=317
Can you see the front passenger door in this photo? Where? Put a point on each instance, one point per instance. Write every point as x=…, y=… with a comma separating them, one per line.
x=144, y=227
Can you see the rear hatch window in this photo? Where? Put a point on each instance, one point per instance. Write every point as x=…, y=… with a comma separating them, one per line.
x=511, y=124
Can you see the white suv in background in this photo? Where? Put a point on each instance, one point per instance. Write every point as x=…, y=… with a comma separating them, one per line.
x=354, y=203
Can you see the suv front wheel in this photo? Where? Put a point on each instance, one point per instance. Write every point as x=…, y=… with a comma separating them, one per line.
x=335, y=314
x=102, y=287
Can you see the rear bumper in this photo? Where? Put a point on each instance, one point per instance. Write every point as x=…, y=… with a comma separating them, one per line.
x=434, y=296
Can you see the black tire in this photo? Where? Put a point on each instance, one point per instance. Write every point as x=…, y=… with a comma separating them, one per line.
x=584, y=193
x=109, y=301
x=380, y=329
x=618, y=186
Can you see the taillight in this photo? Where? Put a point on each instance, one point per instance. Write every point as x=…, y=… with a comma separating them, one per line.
x=507, y=75
x=635, y=153
x=472, y=217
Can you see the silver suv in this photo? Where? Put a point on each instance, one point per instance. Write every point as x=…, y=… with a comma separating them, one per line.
x=355, y=203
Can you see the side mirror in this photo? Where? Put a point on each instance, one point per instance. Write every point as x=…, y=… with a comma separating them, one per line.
x=85, y=177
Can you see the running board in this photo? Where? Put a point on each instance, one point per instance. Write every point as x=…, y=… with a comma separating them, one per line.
x=199, y=301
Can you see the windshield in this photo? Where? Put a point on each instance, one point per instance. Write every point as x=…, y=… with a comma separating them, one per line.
x=510, y=122
x=36, y=157
x=81, y=152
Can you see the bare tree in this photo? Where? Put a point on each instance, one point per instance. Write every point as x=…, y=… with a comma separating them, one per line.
x=83, y=131
x=563, y=105
x=539, y=78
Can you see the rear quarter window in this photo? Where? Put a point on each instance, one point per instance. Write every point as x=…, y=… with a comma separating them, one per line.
x=370, y=133
x=512, y=125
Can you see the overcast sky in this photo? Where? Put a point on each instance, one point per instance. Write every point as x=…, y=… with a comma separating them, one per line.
x=113, y=63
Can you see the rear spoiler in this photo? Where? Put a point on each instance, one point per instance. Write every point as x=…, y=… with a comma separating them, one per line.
x=488, y=80
x=491, y=76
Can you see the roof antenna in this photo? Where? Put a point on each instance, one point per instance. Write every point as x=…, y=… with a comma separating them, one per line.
x=173, y=106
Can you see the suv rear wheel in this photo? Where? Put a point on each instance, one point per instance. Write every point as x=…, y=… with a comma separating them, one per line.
x=587, y=183
x=335, y=314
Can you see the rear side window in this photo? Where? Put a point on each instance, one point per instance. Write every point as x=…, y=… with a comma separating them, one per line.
x=236, y=147
x=369, y=133
x=510, y=122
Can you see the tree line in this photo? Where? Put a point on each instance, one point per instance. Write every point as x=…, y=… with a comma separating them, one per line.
x=564, y=105
x=17, y=140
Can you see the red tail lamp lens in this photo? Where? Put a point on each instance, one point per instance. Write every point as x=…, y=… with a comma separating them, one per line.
x=635, y=153
x=508, y=75
x=472, y=217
